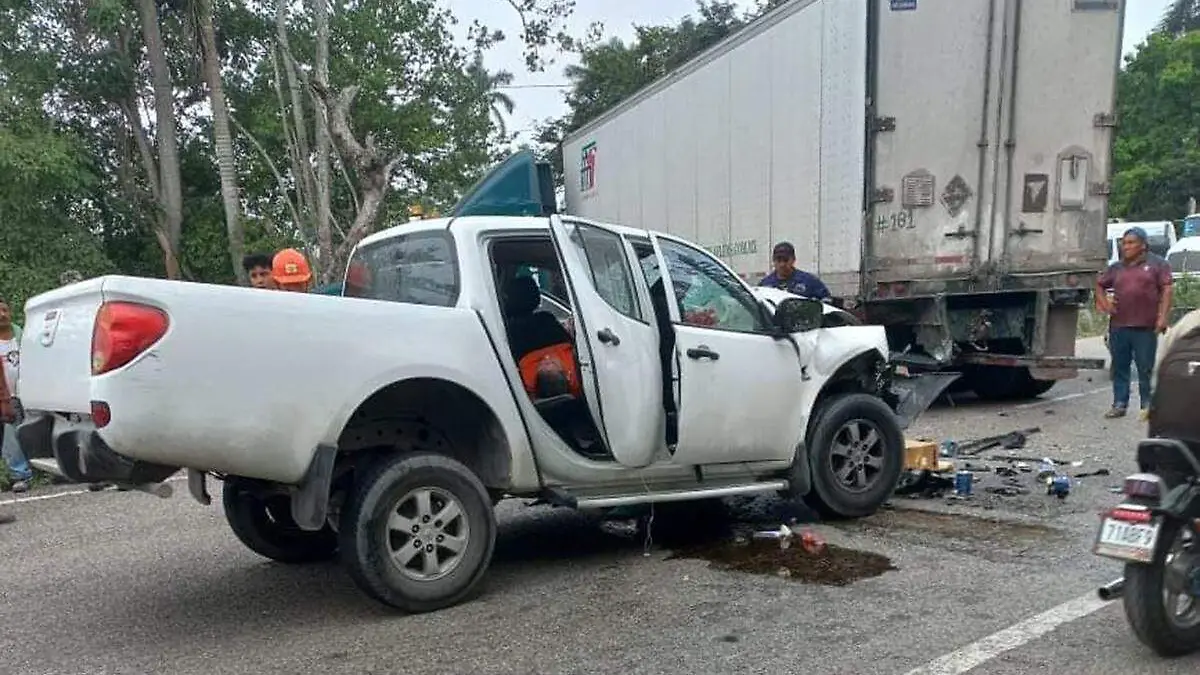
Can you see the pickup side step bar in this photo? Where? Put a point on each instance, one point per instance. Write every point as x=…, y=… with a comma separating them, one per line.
x=673, y=495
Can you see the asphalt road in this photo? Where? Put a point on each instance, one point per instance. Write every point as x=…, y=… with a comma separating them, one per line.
x=128, y=583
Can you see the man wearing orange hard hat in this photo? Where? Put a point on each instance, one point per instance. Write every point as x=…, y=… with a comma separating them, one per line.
x=291, y=272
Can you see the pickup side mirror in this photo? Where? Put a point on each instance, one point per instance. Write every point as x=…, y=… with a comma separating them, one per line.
x=798, y=315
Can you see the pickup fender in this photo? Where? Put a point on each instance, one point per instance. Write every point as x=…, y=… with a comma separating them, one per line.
x=491, y=391
x=829, y=357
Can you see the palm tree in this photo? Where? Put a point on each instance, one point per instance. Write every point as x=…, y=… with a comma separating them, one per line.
x=1181, y=17
x=490, y=84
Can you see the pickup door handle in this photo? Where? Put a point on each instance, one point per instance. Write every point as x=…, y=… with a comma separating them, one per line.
x=702, y=352
x=608, y=337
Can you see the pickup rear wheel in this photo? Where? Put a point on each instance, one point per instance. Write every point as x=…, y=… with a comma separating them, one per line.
x=856, y=450
x=265, y=526
x=418, y=532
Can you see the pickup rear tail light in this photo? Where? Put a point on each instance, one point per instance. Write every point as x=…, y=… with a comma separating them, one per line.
x=101, y=414
x=122, y=331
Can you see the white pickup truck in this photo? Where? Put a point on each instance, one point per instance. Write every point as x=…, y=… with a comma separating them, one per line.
x=384, y=425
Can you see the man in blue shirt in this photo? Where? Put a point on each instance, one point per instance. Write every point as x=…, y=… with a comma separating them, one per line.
x=787, y=278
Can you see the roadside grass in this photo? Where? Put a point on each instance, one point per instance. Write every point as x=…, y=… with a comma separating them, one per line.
x=40, y=479
x=1091, y=322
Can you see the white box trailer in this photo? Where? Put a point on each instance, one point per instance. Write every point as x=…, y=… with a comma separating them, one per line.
x=943, y=165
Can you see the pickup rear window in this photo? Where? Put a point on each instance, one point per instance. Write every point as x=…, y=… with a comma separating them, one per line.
x=420, y=269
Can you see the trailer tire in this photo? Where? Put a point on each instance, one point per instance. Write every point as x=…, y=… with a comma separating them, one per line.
x=843, y=434
x=1003, y=383
x=266, y=527
x=424, y=501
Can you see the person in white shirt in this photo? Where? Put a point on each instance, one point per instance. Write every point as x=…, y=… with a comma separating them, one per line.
x=10, y=359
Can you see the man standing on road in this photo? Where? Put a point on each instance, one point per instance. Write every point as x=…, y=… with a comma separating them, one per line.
x=10, y=358
x=786, y=277
x=1139, y=310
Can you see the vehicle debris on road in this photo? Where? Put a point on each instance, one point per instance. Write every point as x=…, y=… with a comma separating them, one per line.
x=810, y=541
x=959, y=468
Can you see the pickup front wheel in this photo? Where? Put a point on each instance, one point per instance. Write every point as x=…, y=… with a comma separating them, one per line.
x=418, y=532
x=264, y=524
x=856, y=450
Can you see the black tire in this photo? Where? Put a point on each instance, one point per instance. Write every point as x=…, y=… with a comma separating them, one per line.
x=367, y=542
x=829, y=495
x=266, y=527
x=1145, y=607
x=1038, y=387
x=1003, y=383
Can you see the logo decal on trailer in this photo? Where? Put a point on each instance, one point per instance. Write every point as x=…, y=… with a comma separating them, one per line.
x=903, y=5
x=587, y=167
x=1036, y=194
x=956, y=195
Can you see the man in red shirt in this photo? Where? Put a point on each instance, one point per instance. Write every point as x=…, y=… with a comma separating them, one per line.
x=1136, y=294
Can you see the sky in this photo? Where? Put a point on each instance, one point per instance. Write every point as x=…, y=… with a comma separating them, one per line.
x=537, y=95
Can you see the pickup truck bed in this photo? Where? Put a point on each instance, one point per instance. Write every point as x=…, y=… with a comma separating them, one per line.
x=252, y=382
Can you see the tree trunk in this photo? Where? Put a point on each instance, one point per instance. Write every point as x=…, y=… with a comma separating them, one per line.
x=171, y=198
x=330, y=270
x=299, y=149
x=223, y=141
x=374, y=171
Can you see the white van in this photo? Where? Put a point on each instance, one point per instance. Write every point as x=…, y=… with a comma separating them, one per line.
x=1160, y=235
x=1184, y=257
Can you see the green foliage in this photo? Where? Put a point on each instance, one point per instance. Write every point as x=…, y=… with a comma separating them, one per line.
x=1187, y=293
x=79, y=191
x=1182, y=16
x=45, y=181
x=1157, y=150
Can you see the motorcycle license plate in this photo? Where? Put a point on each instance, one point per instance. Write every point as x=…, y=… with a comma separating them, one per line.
x=1131, y=539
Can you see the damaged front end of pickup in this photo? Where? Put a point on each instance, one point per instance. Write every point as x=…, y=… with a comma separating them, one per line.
x=910, y=394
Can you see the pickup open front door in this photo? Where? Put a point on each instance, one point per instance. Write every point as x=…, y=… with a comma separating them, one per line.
x=739, y=390
x=616, y=340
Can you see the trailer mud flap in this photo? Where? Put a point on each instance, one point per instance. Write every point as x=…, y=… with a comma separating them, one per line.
x=915, y=393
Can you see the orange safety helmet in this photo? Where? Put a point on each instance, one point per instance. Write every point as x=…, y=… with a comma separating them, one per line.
x=290, y=267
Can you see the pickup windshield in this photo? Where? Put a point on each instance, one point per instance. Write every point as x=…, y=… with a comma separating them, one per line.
x=418, y=268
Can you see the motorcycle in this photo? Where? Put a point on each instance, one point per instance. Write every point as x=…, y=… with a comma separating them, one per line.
x=1155, y=531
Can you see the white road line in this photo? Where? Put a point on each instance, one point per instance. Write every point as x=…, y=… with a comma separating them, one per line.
x=68, y=493
x=1064, y=397
x=980, y=652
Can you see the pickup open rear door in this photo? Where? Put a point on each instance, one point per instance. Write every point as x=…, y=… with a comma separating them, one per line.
x=617, y=340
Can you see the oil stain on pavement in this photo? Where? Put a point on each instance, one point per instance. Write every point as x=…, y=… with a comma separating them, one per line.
x=831, y=566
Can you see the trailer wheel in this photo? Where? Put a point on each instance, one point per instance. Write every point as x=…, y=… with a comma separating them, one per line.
x=1002, y=383
x=265, y=526
x=418, y=531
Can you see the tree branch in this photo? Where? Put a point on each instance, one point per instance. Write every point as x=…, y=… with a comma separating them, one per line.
x=340, y=130
x=274, y=170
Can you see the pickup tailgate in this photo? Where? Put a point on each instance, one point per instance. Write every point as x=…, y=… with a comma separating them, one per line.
x=54, y=373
